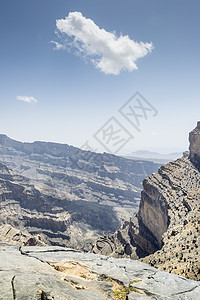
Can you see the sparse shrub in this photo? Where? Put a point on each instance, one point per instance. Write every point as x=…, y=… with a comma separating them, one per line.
x=134, y=281
x=121, y=293
x=108, y=279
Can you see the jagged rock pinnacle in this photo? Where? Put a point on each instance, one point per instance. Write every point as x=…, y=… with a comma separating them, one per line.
x=194, y=139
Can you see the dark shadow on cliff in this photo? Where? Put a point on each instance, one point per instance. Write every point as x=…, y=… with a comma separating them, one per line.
x=101, y=217
x=142, y=239
x=195, y=160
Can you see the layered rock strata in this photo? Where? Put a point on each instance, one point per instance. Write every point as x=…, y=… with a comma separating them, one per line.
x=167, y=224
x=64, y=195
x=194, y=139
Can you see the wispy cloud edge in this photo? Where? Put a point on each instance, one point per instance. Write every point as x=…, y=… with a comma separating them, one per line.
x=27, y=99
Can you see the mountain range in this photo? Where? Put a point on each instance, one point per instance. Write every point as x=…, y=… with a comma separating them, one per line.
x=154, y=156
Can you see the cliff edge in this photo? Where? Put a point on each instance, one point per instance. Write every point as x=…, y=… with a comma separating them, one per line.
x=165, y=232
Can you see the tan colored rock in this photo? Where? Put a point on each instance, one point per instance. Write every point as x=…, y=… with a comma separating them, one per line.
x=10, y=234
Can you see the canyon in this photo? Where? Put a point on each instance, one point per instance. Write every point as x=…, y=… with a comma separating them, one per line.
x=73, y=224
x=57, y=194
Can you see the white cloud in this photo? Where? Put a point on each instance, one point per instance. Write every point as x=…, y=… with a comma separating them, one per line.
x=107, y=51
x=27, y=99
x=58, y=46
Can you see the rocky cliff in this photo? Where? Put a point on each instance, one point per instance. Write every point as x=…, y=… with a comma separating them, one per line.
x=167, y=224
x=60, y=195
x=194, y=139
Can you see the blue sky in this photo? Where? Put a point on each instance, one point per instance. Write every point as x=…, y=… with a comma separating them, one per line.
x=74, y=97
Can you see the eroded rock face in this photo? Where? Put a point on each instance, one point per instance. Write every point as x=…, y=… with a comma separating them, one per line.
x=194, y=139
x=167, y=224
x=154, y=210
x=27, y=214
x=66, y=195
x=179, y=253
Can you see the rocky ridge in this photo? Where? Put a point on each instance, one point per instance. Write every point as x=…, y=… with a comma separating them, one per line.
x=165, y=232
x=194, y=139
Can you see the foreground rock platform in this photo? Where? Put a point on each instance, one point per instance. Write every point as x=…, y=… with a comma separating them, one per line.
x=66, y=274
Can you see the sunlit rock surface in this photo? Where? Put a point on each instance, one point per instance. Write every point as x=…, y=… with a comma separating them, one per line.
x=65, y=274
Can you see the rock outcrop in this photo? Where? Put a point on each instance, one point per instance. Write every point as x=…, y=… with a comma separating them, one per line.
x=65, y=274
x=167, y=224
x=61, y=195
x=194, y=139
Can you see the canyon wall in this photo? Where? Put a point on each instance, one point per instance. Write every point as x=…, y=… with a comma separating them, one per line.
x=63, y=195
x=165, y=232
